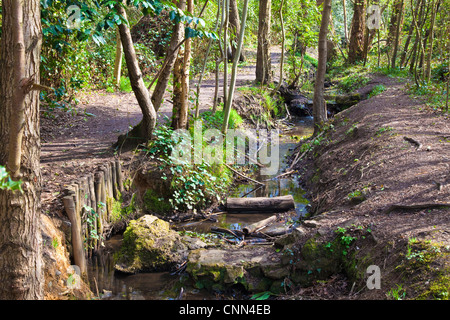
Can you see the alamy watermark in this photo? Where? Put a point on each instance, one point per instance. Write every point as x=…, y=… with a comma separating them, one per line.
x=74, y=278
x=374, y=278
x=74, y=17
x=374, y=17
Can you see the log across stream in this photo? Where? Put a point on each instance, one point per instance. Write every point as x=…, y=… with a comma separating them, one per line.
x=159, y=285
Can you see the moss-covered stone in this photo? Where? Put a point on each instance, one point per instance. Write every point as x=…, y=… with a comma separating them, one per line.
x=253, y=268
x=150, y=245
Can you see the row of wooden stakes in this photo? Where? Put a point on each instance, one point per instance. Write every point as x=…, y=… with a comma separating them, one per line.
x=88, y=204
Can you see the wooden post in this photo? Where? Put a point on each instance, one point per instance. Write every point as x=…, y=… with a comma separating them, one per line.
x=115, y=189
x=119, y=175
x=98, y=195
x=104, y=193
x=77, y=241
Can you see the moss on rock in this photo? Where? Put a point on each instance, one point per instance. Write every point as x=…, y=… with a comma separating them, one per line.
x=150, y=245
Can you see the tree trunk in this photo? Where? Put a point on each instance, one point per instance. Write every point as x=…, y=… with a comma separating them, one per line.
x=356, y=49
x=417, y=22
x=408, y=38
x=21, y=274
x=182, y=98
x=398, y=29
x=435, y=5
x=319, y=104
x=263, y=61
x=229, y=103
x=171, y=55
x=283, y=40
x=118, y=61
x=202, y=73
x=177, y=90
x=145, y=128
x=420, y=49
x=226, y=9
x=345, y=22
x=235, y=29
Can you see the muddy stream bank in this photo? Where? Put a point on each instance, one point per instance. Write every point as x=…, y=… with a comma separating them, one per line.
x=109, y=284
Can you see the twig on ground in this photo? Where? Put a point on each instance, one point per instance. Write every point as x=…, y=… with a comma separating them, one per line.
x=243, y=175
x=414, y=142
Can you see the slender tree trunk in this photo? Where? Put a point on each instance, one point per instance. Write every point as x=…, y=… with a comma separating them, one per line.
x=145, y=128
x=319, y=104
x=419, y=45
x=225, y=50
x=356, y=49
x=417, y=23
x=21, y=263
x=283, y=40
x=182, y=96
x=448, y=85
x=177, y=89
x=227, y=109
x=344, y=5
x=408, y=38
x=202, y=73
x=118, y=61
x=263, y=61
x=398, y=30
x=235, y=25
x=171, y=55
x=435, y=5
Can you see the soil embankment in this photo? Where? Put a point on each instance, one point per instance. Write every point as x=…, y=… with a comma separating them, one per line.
x=379, y=173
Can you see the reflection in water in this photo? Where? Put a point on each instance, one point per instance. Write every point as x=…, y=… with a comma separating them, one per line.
x=163, y=285
x=140, y=286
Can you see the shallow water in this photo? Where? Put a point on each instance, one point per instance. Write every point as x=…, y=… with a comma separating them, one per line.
x=163, y=285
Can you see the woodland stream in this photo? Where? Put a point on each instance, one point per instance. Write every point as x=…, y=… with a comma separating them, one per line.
x=162, y=285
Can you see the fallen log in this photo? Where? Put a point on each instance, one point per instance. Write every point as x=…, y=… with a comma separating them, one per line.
x=253, y=227
x=261, y=204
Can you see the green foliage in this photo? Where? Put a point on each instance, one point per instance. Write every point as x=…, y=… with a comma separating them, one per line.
x=7, y=183
x=382, y=130
x=70, y=55
x=55, y=243
x=311, y=60
x=344, y=239
x=215, y=120
x=91, y=217
x=193, y=186
x=377, y=90
x=262, y=295
x=397, y=293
